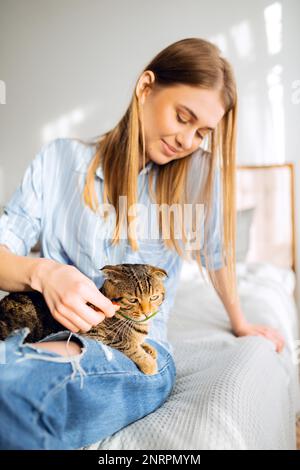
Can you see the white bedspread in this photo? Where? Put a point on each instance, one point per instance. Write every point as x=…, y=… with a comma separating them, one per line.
x=230, y=393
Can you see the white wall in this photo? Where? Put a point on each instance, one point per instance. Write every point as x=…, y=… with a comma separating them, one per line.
x=69, y=67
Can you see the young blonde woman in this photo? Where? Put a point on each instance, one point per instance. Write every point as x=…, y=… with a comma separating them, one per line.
x=69, y=391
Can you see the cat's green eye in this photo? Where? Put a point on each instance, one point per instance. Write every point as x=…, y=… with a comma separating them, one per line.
x=132, y=300
x=154, y=297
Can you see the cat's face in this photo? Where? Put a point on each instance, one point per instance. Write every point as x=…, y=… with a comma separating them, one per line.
x=137, y=288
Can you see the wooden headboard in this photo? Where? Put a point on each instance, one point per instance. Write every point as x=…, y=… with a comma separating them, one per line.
x=270, y=189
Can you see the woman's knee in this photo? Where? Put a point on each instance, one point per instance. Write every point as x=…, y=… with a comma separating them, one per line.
x=64, y=348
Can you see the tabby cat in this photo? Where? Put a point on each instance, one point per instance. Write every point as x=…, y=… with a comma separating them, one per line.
x=137, y=288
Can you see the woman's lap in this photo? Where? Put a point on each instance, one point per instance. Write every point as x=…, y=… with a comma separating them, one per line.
x=50, y=401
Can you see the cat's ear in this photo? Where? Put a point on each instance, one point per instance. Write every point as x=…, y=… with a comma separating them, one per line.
x=113, y=273
x=160, y=273
x=110, y=268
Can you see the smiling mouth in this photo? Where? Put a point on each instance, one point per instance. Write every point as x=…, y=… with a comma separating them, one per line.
x=167, y=149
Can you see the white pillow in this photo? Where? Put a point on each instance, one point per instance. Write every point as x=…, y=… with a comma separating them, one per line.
x=190, y=269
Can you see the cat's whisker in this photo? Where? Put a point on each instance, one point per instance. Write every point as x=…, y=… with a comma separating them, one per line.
x=119, y=328
x=119, y=335
x=127, y=328
x=116, y=326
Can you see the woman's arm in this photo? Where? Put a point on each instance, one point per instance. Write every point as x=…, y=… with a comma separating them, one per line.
x=239, y=324
x=233, y=309
x=17, y=272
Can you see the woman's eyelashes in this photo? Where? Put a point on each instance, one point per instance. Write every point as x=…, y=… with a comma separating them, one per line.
x=179, y=119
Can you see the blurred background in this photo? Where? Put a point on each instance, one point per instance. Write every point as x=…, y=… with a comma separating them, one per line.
x=68, y=68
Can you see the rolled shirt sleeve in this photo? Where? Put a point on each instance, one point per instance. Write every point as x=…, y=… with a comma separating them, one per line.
x=21, y=221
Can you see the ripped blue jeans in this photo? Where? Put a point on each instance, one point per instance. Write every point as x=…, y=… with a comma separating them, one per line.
x=50, y=401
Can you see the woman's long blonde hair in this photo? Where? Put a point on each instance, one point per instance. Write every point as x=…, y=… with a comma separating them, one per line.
x=193, y=62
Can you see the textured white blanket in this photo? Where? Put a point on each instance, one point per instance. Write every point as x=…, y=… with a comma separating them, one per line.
x=230, y=393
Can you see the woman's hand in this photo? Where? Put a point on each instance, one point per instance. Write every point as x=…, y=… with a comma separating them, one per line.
x=233, y=308
x=66, y=291
x=246, y=329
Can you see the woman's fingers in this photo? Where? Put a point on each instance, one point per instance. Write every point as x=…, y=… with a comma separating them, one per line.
x=101, y=305
x=78, y=306
x=277, y=335
x=73, y=318
x=67, y=292
x=95, y=297
x=280, y=340
x=266, y=331
x=89, y=315
x=63, y=321
x=273, y=337
x=52, y=305
x=76, y=315
x=273, y=334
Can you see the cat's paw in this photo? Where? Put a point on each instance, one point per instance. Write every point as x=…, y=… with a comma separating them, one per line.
x=149, y=367
x=150, y=350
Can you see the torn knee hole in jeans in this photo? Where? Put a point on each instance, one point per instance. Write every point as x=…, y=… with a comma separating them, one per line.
x=33, y=351
x=61, y=347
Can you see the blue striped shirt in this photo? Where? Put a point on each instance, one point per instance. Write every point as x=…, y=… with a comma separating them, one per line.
x=48, y=206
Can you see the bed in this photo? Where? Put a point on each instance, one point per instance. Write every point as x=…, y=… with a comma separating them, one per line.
x=230, y=392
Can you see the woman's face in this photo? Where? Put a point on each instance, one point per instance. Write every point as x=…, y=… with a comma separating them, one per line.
x=164, y=109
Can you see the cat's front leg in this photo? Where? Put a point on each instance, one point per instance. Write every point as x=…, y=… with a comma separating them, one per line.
x=150, y=350
x=146, y=363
